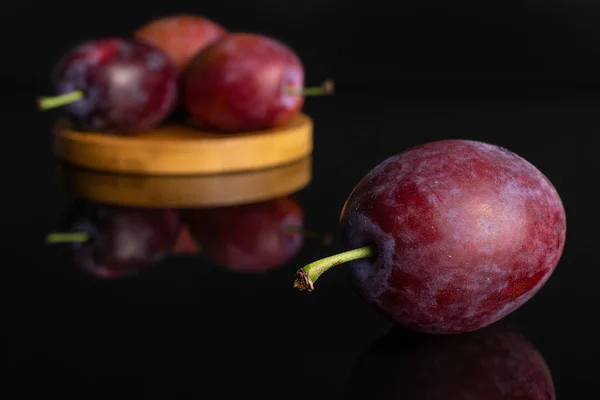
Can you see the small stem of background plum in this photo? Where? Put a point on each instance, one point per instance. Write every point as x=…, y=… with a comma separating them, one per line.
x=307, y=276
x=46, y=103
x=326, y=238
x=326, y=88
x=67, y=237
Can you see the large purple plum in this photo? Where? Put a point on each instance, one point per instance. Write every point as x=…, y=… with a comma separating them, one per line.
x=449, y=236
x=493, y=363
x=115, y=85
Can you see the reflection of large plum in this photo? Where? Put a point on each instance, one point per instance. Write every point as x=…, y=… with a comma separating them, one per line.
x=123, y=240
x=494, y=363
x=249, y=237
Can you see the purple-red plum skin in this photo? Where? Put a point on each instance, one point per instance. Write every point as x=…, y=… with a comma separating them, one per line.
x=241, y=83
x=129, y=86
x=180, y=37
x=467, y=233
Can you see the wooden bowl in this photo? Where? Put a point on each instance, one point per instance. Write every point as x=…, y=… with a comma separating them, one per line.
x=187, y=191
x=185, y=150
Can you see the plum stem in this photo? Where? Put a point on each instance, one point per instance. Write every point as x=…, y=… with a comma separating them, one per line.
x=307, y=276
x=47, y=103
x=326, y=88
x=67, y=237
x=326, y=238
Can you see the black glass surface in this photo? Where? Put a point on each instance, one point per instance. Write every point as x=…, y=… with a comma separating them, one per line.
x=188, y=327
x=192, y=325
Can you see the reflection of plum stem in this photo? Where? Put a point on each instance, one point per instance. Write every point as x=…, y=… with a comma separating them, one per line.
x=325, y=238
x=67, y=237
x=307, y=276
x=46, y=103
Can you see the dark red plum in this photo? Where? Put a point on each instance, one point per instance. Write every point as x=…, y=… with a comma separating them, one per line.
x=245, y=82
x=250, y=237
x=113, y=85
x=185, y=243
x=181, y=37
x=493, y=363
x=449, y=236
x=113, y=241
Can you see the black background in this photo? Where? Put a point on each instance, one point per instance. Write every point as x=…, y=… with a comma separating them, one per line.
x=521, y=74
x=378, y=41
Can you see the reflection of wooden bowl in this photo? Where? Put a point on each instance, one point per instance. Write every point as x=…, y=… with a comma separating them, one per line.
x=187, y=191
x=185, y=150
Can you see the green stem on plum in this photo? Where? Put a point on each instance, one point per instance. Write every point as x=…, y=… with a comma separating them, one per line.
x=307, y=276
x=325, y=238
x=67, y=237
x=325, y=89
x=46, y=103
